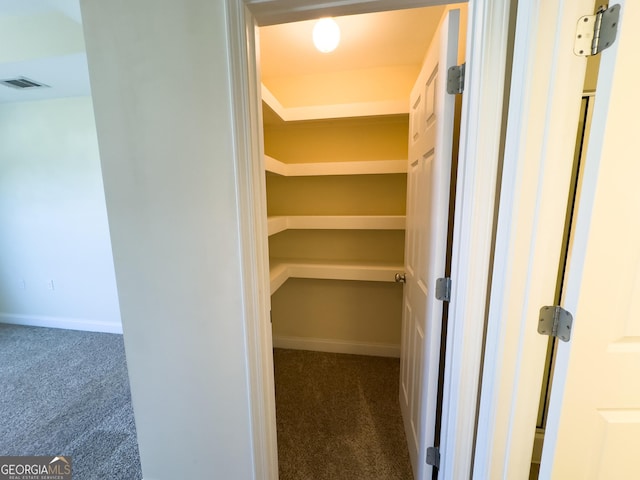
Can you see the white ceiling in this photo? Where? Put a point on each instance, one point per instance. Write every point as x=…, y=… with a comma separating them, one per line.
x=372, y=69
x=366, y=41
x=70, y=8
x=47, y=45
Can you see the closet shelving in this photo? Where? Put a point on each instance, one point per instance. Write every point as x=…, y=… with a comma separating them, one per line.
x=334, y=168
x=343, y=110
x=336, y=190
x=280, y=223
x=281, y=268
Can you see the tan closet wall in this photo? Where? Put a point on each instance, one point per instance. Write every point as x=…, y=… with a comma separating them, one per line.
x=338, y=310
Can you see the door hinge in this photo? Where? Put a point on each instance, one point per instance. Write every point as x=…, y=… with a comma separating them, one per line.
x=556, y=322
x=455, y=79
x=594, y=33
x=443, y=289
x=433, y=456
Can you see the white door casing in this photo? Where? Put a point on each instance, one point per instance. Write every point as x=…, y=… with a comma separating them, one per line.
x=545, y=94
x=594, y=416
x=487, y=41
x=428, y=178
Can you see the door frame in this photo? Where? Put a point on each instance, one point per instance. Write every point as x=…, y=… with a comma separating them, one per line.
x=480, y=140
x=539, y=149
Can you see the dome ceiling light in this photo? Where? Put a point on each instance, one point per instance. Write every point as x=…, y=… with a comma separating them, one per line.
x=326, y=35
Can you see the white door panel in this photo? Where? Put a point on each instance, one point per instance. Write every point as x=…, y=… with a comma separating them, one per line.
x=593, y=430
x=428, y=177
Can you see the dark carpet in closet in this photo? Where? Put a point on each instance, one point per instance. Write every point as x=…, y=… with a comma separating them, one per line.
x=338, y=417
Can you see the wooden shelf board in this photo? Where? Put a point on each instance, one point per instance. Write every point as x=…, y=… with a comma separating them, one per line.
x=282, y=269
x=373, y=167
x=341, y=110
x=278, y=274
x=278, y=224
x=336, y=346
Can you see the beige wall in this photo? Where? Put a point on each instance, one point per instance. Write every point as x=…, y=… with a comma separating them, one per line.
x=338, y=310
x=591, y=77
x=337, y=195
x=339, y=245
x=170, y=171
x=372, y=138
x=53, y=219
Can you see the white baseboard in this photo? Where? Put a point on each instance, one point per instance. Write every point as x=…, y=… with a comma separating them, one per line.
x=86, y=325
x=337, y=346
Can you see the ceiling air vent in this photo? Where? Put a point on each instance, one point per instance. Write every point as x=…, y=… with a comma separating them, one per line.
x=22, y=82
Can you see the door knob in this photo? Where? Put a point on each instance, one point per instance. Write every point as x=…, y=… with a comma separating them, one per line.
x=401, y=278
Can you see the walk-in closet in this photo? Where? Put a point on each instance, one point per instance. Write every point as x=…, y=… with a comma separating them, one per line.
x=336, y=131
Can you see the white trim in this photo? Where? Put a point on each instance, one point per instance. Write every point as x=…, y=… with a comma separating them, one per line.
x=543, y=116
x=334, y=168
x=337, y=346
x=481, y=126
x=251, y=192
x=339, y=110
x=67, y=323
x=482, y=118
x=271, y=12
x=279, y=224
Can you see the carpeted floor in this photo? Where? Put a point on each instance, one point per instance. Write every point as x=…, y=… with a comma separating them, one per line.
x=338, y=417
x=66, y=392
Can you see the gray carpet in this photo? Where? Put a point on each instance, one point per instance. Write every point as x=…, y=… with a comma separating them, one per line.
x=66, y=392
x=338, y=417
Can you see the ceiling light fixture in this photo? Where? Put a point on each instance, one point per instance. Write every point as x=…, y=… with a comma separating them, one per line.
x=326, y=35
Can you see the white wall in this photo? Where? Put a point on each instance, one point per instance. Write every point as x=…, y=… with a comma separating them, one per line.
x=161, y=85
x=53, y=223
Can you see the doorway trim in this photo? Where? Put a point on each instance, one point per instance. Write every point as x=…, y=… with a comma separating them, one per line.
x=481, y=130
x=544, y=107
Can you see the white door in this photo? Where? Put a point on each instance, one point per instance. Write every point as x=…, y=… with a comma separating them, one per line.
x=430, y=142
x=593, y=429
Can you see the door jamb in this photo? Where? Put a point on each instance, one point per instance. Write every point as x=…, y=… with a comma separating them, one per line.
x=481, y=127
x=251, y=192
x=543, y=114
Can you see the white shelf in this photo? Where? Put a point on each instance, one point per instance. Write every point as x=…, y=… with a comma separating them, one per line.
x=277, y=224
x=341, y=110
x=334, y=168
x=283, y=269
x=335, y=222
x=337, y=346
